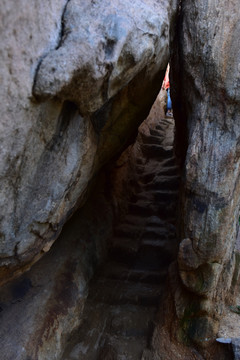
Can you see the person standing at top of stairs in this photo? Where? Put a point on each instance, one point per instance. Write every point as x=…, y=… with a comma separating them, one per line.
x=166, y=86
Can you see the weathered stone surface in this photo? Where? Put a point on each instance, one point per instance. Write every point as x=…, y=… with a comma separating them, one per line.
x=41, y=308
x=171, y=336
x=103, y=52
x=206, y=94
x=95, y=70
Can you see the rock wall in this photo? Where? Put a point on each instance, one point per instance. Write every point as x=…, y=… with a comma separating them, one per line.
x=77, y=79
x=41, y=308
x=206, y=94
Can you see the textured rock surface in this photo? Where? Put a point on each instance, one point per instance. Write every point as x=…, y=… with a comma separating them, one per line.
x=206, y=90
x=41, y=308
x=95, y=70
x=120, y=311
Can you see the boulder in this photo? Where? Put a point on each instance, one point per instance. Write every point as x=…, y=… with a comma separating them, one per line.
x=77, y=78
x=206, y=95
x=41, y=308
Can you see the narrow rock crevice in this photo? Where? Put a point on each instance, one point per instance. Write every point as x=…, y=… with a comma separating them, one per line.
x=125, y=294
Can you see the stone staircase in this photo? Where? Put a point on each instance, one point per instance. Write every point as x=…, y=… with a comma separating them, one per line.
x=120, y=311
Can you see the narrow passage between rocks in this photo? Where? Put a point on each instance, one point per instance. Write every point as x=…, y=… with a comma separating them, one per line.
x=124, y=296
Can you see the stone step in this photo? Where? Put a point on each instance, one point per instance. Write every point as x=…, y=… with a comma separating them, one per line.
x=146, y=196
x=156, y=195
x=132, y=320
x=167, y=218
x=165, y=123
x=162, y=183
x=135, y=220
x=124, y=348
x=156, y=151
x=168, y=141
x=121, y=271
x=108, y=330
x=155, y=132
x=161, y=163
x=168, y=120
x=151, y=256
x=152, y=220
x=157, y=221
x=150, y=139
x=150, y=173
x=156, y=165
x=157, y=232
x=133, y=230
x=165, y=129
x=146, y=177
x=114, y=292
x=152, y=232
x=127, y=242
x=140, y=161
x=169, y=195
x=169, y=247
x=143, y=208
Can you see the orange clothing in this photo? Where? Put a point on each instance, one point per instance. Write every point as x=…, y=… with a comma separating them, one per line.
x=166, y=82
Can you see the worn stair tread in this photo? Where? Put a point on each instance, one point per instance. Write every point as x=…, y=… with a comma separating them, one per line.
x=133, y=230
x=165, y=123
x=163, y=183
x=169, y=247
x=150, y=139
x=143, y=208
x=124, y=348
x=132, y=320
x=133, y=219
x=156, y=195
x=129, y=243
x=167, y=219
x=140, y=161
x=125, y=292
x=156, y=132
x=104, y=323
x=157, y=232
x=167, y=194
x=121, y=271
x=156, y=165
x=150, y=256
x=154, y=150
x=163, y=170
x=151, y=176
x=167, y=120
x=157, y=221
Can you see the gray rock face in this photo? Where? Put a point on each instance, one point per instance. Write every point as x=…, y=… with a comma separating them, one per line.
x=94, y=70
x=206, y=90
x=103, y=52
x=40, y=309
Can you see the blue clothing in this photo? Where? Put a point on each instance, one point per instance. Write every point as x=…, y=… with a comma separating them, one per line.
x=169, y=101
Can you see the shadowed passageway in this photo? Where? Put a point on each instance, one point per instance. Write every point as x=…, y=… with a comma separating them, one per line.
x=126, y=291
